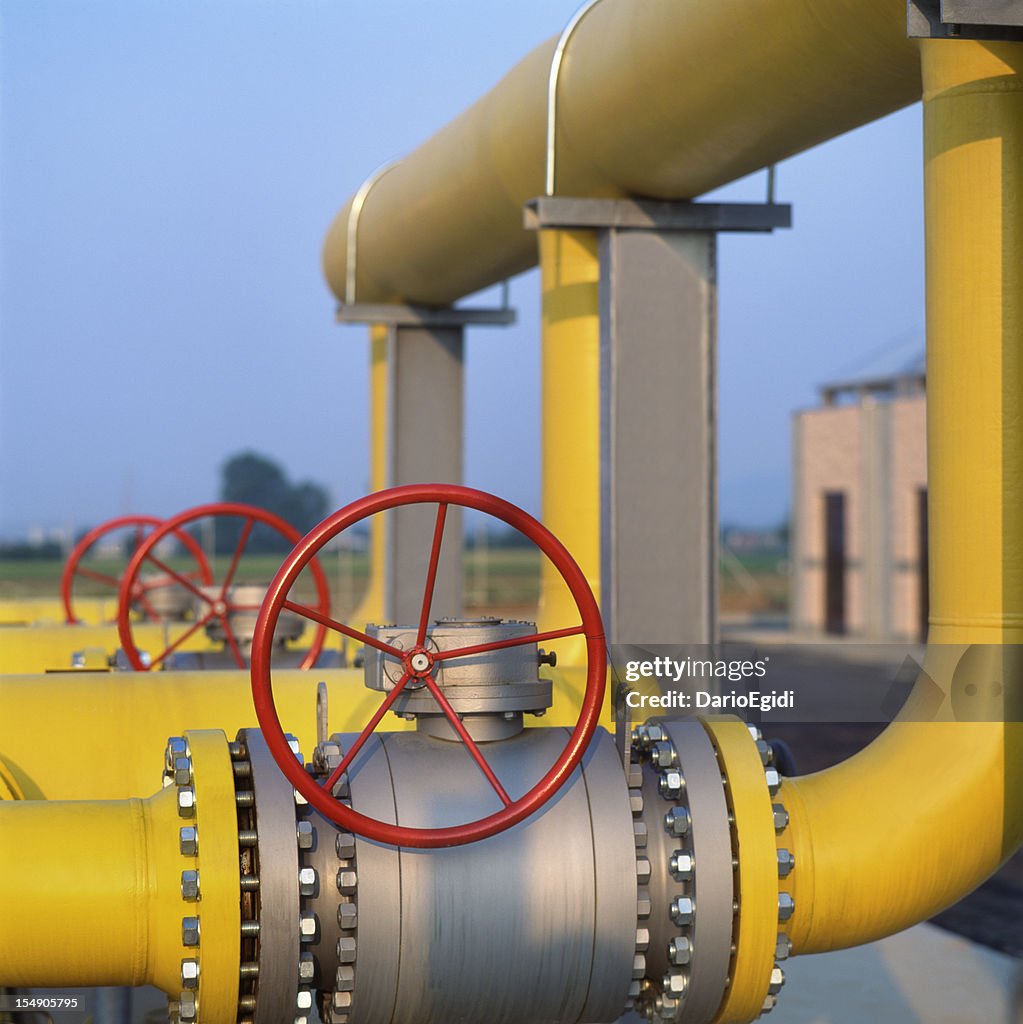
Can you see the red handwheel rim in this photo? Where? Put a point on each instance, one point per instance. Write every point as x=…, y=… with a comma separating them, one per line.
x=591, y=627
x=176, y=525
x=72, y=567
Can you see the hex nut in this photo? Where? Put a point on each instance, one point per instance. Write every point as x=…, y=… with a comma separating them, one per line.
x=186, y=1005
x=643, y=906
x=190, y=886
x=642, y=870
x=345, y=845
x=304, y=834
x=754, y=731
x=670, y=784
x=346, y=949
x=786, y=906
x=307, y=927
x=781, y=817
x=176, y=747
x=347, y=915
x=341, y=1002
x=765, y=752
x=190, y=931
x=347, y=881
x=680, y=951
x=307, y=881
x=770, y=1002
x=682, y=911
x=664, y=755
x=306, y=967
x=777, y=980
x=344, y=980
x=642, y=939
x=186, y=802
x=677, y=821
x=681, y=866
x=188, y=840
x=190, y=973
x=783, y=947
x=638, y=966
x=656, y=733
x=675, y=983
x=300, y=799
x=786, y=862
x=639, y=834
x=773, y=780
x=304, y=999
x=182, y=771
x=636, y=801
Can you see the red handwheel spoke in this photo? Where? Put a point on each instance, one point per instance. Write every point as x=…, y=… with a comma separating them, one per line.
x=431, y=572
x=515, y=641
x=459, y=727
x=98, y=577
x=147, y=607
x=340, y=627
x=232, y=642
x=365, y=734
x=233, y=567
x=181, y=639
x=179, y=577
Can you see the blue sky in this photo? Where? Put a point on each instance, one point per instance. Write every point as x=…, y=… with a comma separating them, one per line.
x=168, y=171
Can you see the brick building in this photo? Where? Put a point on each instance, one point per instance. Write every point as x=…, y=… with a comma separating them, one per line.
x=859, y=510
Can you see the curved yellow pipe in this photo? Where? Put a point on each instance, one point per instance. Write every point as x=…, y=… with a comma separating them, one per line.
x=931, y=808
x=665, y=98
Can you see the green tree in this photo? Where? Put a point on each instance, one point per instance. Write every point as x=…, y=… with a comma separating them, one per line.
x=253, y=479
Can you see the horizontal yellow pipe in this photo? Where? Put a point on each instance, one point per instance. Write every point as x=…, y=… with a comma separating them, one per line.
x=101, y=735
x=50, y=648
x=931, y=808
x=81, y=886
x=665, y=98
x=50, y=611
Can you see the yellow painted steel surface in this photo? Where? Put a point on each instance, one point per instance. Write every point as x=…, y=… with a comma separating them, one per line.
x=665, y=98
x=749, y=802
x=50, y=610
x=931, y=808
x=44, y=648
x=100, y=736
x=571, y=421
x=371, y=609
x=91, y=890
x=219, y=909
x=88, y=893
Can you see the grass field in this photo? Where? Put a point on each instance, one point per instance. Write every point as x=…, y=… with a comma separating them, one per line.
x=503, y=580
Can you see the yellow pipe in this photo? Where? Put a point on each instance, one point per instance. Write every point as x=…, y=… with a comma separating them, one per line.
x=931, y=808
x=371, y=608
x=570, y=417
x=29, y=611
x=92, y=891
x=55, y=729
x=46, y=648
x=666, y=98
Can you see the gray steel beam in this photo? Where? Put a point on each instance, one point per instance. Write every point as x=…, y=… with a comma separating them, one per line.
x=424, y=431
x=658, y=343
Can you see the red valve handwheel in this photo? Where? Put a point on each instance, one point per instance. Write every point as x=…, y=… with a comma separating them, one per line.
x=218, y=606
x=418, y=664
x=142, y=525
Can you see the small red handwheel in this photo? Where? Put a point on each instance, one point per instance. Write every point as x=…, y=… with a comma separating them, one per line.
x=139, y=526
x=214, y=599
x=418, y=665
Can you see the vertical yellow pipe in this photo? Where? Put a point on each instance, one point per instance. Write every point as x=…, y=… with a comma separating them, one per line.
x=570, y=336
x=371, y=609
x=930, y=809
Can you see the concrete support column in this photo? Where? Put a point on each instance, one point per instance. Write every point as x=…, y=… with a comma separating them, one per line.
x=418, y=403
